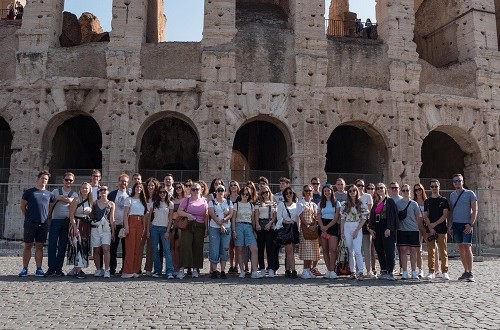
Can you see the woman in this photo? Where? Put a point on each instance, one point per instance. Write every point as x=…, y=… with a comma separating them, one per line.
x=103, y=228
x=368, y=247
x=79, y=234
x=253, y=192
x=243, y=231
x=195, y=208
x=204, y=189
x=420, y=196
x=233, y=195
x=287, y=215
x=329, y=213
x=264, y=218
x=152, y=185
x=408, y=235
x=213, y=186
x=134, y=222
x=220, y=210
x=161, y=220
x=308, y=248
x=354, y=214
x=175, y=233
x=187, y=188
x=383, y=220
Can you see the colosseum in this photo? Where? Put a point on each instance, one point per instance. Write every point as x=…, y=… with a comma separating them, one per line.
x=273, y=88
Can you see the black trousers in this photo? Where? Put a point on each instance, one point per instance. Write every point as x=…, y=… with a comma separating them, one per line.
x=385, y=247
x=114, y=248
x=265, y=243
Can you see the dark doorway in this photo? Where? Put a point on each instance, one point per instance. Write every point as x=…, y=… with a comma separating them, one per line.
x=259, y=149
x=5, y=154
x=352, y=153
x=170, y=145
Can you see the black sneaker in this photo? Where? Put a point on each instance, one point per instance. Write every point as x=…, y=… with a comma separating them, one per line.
x=214, y=274
x=294, y=274
x=81, y=275
x=223, y=275
x=50, y=272
x=288, y=274
x=471, y=278
x=189, y=272
x=464, y=276
x=60, y=273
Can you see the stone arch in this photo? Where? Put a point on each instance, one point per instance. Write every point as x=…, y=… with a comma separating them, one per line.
x=447, y=150
x=168, y=142
x=264, y=144
x=356, y=150
x=72, y=141
x=435, y=31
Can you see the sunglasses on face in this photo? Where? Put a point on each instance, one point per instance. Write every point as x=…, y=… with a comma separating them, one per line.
x=394, y=188
x=103, y=190
x=220, y=190
x=370, y=188
x=434, y=187
x=380, y=188
x=405, y=190
x=289, y=193
x=353, y=191
x=360, y=185
x=162, y=192
x=417, y=189
x=307, y=191
x=457, y=181
x=195, y=189
x=69, y=180
x=187, y=185
x=178, y=187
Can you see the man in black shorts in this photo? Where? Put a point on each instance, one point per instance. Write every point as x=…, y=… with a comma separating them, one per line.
x=35, y=209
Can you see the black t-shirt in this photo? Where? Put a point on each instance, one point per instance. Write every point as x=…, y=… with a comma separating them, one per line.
x=435, y=207
x=37, y=205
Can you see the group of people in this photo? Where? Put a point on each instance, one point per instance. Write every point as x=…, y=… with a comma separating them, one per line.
x=15, y=12
x=245, y=224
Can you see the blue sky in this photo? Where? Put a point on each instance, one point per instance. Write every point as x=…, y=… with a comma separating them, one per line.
x=185, y=18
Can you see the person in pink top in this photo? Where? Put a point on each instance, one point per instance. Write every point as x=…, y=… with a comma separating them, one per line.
x=195, y=208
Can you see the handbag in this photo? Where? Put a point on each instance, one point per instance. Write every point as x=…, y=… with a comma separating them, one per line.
x=308, y=233
x=181, y=222
x=288, y=234
x=403, y=213
x=343, y=260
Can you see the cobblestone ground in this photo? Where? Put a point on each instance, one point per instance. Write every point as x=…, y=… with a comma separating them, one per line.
x=271, y=303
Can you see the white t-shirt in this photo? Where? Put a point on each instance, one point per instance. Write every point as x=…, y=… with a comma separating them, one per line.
x=221, y=210
x=366, y=199
x=161, y=214
x=121, y=198
x=282, y=214
x=244, y=212
x=135, y=206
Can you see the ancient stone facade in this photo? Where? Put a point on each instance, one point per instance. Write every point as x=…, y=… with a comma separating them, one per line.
x=267, y=61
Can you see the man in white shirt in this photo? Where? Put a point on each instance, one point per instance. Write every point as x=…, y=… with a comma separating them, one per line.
x=118, y=197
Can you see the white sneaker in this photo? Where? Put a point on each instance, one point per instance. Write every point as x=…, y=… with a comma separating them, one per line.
x=195, y=274
x=415, y=275
x=421, y=273
x=127, y=275
x=404, y=276
x=306, y=274
x=180, y=274
x=257, y=274
x=242, y=274
x=333, y=275
x=446, y=277
x=430, y=276
x=327, y=274
x=271, y=273
x=99, y=273
x=107, y=274
x=438, y=275
x=148, y=273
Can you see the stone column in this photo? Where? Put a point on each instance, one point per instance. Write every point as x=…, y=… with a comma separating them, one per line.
x=156, y=25
x=128, y=33
x=41, y=28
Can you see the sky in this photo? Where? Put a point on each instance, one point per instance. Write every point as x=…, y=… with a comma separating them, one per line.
x=185, y=18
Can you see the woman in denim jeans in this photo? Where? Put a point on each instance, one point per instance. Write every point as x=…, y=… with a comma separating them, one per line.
x=161, y=220
x=220, y=211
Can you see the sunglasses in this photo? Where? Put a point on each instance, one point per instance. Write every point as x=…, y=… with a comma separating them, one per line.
x=457, y=181
x=360, y=185
x=417, y=189
x=69, y=180
x=195, y=189
x=187, y=185
x=433, y=187
x=220, y=190
x=380, y=188
x=289, y=193
x=178, y=187
x=394, y=188
x=353, y=191
x=103, y=189
x=405, y=190
x=162, y=192
x=370, y=188
x=308, y=191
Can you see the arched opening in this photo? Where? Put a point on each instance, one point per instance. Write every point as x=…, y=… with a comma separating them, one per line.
x=441, y=158
x=355, y=151
x=170, y=145
x=346, y=18
x=435, y=31
x=76, y=147
x=5, y=154
x=259, y=149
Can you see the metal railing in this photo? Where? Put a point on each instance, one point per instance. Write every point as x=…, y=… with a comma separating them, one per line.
x=340, y=28
x=253, y=175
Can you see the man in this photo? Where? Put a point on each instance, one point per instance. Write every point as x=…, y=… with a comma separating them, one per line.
x=340, y=194
x=168, y=181
x=316, y=184
x=366, y=202
x=59, y=225
x=136, y=178
x=118, y=197
x=95, y=183
x=263, y=182
x=284, y=183
x=35, y=209
x=463, y=216
x=394, y=192
x=436, y=209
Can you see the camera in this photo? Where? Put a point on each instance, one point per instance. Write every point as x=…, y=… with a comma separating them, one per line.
x=431, y=238
x=377, y=218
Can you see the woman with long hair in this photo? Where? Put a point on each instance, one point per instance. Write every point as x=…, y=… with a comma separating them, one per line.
x=175, y=233
x=420, y=196
x=368, y=246
x=213, y=185
x=233, y=195
x=161, y=220
x=134, y=222
x=329, y=213
x=103, y=228
x=308, y=248
x=265, y=214
x=383, y=222
x=287, y=216
x=152, y=185
x=80, y=210
x=354, y=214
x=253, y=192
x=195, y=208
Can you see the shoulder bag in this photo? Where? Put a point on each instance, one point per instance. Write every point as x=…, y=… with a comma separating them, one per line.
x=181, y=222
x=403, y=213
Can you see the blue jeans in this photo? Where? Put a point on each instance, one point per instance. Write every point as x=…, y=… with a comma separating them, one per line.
x=219, y=245
x=157, y=236
x=58, y=241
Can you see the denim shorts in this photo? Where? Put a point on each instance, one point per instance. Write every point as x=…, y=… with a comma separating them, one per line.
x=245, y=235
x=459, y=236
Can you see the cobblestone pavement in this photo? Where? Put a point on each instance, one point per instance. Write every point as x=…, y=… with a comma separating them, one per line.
x=277, y=303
